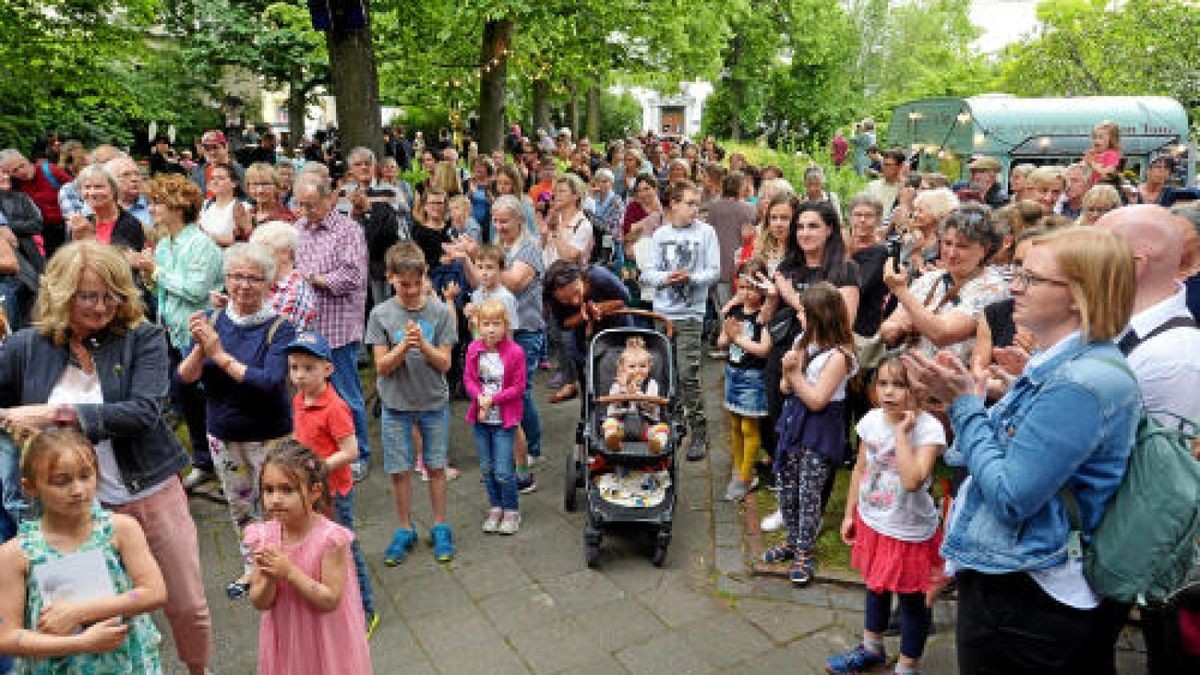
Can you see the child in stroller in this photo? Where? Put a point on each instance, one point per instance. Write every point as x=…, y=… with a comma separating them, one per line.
x=634, y=420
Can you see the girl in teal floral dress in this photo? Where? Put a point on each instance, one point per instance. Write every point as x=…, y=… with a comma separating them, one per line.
x=78, y=583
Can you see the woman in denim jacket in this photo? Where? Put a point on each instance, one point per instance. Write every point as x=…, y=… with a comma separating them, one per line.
x=92, y=361
x=1067, y=421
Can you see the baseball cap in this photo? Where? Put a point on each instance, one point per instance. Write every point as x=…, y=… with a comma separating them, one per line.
x=311, y=342
x=985, y=163
x=212, y=137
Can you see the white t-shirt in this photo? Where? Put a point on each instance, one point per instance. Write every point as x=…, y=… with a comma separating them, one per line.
x=481, y=295
x=76, y=386
x=579, y=235
x=217, y=220
x=883, y=503
x=817, y=363
x=491, y=379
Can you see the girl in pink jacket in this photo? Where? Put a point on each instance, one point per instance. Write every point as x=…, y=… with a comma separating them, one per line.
x=495, y=380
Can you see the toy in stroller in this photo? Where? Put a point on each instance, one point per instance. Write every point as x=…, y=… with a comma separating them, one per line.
x=624, y=454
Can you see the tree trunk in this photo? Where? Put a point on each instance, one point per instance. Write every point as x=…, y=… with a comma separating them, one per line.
x=572, y=121
x=593, y=113
x=296, y=110
x=354, y=84
x=497, y=38
x=541, y=107
x=737, y=87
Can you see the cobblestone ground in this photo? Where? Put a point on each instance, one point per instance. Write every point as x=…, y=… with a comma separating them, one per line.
x=528, y=604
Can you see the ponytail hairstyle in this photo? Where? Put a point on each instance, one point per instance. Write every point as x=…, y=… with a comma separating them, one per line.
x=304, y=468
x=634, y=346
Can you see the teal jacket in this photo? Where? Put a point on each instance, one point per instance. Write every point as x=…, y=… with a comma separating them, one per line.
x=187, y=267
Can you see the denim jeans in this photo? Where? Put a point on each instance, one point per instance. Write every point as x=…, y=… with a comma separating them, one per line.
x=343, y=508
x=687, y=361
x=13, y=505
x=349, y=387
x=398, y=447
x=533, y=343
x=495, y=446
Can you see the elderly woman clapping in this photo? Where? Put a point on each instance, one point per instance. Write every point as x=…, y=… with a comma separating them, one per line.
x=239, y=356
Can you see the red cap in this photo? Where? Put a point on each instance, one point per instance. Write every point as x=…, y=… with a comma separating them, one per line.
x=213, y=137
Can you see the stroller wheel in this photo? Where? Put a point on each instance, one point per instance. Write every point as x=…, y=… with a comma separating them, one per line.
x=571, y=484
x=660, y=555
x=591, y=545
x=661, y=542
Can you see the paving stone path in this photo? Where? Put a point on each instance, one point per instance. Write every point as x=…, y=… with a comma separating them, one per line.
x=528, y=604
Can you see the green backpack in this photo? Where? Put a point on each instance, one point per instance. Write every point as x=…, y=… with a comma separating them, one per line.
x=1149, y=538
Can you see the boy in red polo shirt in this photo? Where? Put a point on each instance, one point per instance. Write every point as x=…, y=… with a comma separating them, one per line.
x=322, y=421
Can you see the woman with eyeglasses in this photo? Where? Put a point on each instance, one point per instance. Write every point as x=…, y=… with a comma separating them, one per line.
x=1066, y=423
x=238, y=354
x=92, y=361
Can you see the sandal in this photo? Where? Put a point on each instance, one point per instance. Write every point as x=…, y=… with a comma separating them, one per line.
x=565, y=393
x=778, y=554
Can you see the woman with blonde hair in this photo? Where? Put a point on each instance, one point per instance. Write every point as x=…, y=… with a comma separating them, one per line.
x=1067, y=422
x=266, y=195
x=93, y=362
x=1097, y=201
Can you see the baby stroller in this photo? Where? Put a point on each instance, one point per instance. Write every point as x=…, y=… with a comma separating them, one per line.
x=632, y=485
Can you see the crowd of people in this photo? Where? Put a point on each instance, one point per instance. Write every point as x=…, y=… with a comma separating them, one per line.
x=921, y=322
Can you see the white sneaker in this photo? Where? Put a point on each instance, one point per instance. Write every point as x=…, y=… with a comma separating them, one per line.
x=510, y=523
x=773, y=522
x=536, y=460
x=492, y=524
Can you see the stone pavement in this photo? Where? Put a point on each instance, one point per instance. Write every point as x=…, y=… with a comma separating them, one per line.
x=528, y=604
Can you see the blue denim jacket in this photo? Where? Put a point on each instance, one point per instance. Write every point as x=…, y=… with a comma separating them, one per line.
x=1070, y=420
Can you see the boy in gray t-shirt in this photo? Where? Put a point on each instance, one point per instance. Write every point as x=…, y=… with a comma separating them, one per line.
x=411, y=335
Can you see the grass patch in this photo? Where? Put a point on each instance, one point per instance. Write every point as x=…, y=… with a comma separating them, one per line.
x=831, y=553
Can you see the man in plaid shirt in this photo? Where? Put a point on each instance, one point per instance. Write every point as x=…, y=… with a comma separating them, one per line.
x=331, y=253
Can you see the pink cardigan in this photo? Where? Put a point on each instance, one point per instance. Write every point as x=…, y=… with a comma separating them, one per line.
x=512, y=390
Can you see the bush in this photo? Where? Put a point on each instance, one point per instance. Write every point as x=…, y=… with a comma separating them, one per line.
x=620, y=116
x=844, y=181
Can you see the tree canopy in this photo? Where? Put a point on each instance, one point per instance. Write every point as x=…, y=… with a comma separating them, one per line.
x=101, y=70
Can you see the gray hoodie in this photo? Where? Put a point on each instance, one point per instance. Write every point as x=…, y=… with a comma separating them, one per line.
x=693, y=248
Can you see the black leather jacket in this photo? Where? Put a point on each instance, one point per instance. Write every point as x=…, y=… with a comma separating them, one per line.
x=133, y=369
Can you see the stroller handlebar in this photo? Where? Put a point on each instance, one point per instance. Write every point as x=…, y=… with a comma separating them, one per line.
x=654, y=316
x=631, y=398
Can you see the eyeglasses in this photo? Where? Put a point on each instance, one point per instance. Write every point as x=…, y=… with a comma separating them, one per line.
x=244, y=279
x=96, y=299
x=211, y=147
x=1023, y=279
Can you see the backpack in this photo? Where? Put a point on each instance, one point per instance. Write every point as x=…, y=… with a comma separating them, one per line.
x=1149, y=538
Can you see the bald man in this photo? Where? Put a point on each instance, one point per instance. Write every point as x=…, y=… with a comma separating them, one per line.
x=1166, y=360
x=1162, y=345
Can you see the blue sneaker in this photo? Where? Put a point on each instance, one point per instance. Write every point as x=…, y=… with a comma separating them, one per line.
x=857, y=660
x=402, y=543
x=443, y=542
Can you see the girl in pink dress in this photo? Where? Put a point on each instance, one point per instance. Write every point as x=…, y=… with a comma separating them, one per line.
x=312, y=621
x=1104, y=157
